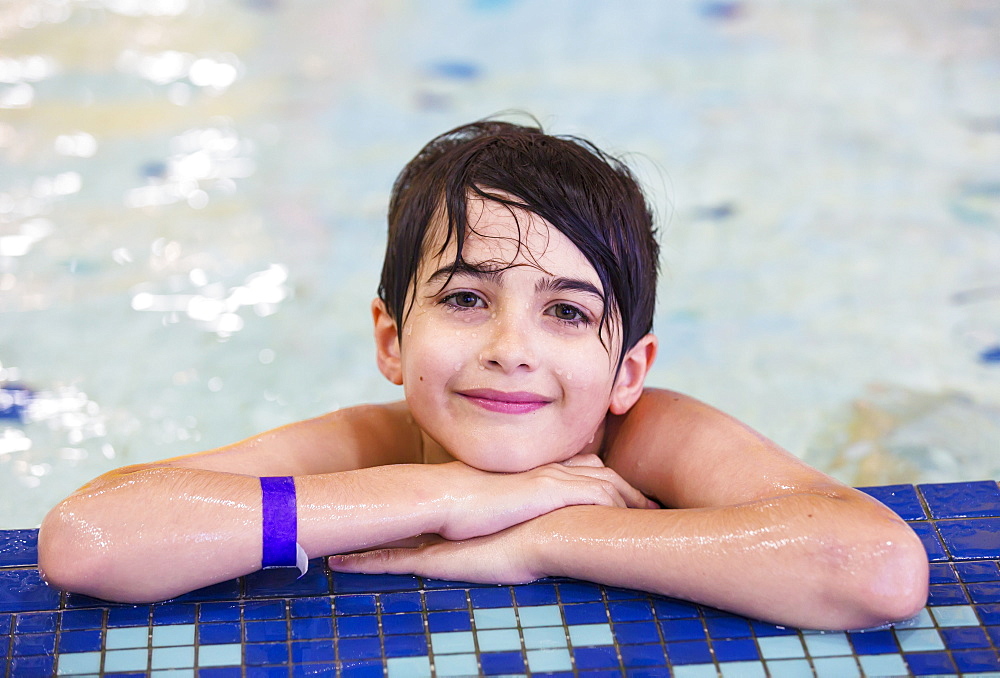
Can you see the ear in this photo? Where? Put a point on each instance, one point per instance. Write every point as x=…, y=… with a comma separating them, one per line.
x=632, y=375
x=387, y=343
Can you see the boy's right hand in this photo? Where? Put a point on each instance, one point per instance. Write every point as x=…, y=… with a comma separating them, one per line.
x=479, y=502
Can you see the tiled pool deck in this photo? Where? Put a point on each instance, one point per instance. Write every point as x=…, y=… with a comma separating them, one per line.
x=406, y=627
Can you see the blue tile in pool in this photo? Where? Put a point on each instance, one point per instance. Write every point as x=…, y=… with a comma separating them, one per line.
x=536, y=594
x=355, y=604
x=444, y=600
x=405, y=601
x=962, y=500
x=971, y=538
x=23, y=589
x=18, y=548
x=931, y=541
x=943, y=573
x=978, y=571
x=985, y=592
x=902, y=499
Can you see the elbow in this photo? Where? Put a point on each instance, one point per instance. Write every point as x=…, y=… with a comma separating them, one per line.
x=67, y=558
x=73, y=555
x=888, y=578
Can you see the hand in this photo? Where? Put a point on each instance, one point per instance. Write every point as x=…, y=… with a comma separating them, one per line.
x=500, y=558
x=478, y=502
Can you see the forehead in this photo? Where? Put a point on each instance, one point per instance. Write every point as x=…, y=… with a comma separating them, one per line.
x=500, y=236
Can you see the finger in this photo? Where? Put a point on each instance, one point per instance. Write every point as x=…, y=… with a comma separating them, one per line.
x=630, y=496
x=591, y=460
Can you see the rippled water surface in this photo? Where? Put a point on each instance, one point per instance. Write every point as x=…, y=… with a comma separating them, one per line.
x=192, y=199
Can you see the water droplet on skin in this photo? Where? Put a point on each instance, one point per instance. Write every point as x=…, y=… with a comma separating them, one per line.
x=475, y=335
x=457, y=367
x=482, y=367
x=409, y=330
x=569, y=376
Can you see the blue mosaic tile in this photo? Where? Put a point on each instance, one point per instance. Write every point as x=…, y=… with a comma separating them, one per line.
x=448, y=621
x=931, y=541
x=217, y=633
x=359, y=648
x=365, y=625
x=977, y=661
x=971, y=538
x=34, y=643
x=354, y=605
x=985, y=592
x=962, y=500
x=767, y=630
x=264, y=631
x=536, y=594
x=81, y=619
x=221, y=672
x=310, y=628
x=989, y=614
x=902, y=499
x=585, y=613
x=630, y=633
x=405, y=601
x=446, y=600
x=682, y=629
x=256, y=654
x=226, y=611
x=24, y=590
x=736, y=649
x=630, y=610
x=312, y=651
x=362, y=669
x=128, y=616
x=642, y=655
x=89, y=640
x=579, y=592
x=36, y=622
x=501, y=663
x=18, y=548
x=689, y=652
x=964, y=638
x=174, y=613
x=265, y=672
x=310, y=607
x=259, y=610
x=727, y=627
x=873, y=642
x=947, y=594
x=491, y=597
x=674, y=609
x=930, y=663
x=942, y=573
x=597, y=657
x=39, y=665
x=978, y=571
x=393, y=624
x=406, y=645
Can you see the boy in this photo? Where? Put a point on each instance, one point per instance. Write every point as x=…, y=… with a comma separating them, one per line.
x=515, y=309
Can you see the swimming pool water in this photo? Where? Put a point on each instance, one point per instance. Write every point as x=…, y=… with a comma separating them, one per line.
x=192, y=198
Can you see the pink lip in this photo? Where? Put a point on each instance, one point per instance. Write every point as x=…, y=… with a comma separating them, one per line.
x=506, y=402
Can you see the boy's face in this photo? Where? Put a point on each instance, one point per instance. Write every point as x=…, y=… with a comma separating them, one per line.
x=503, y=366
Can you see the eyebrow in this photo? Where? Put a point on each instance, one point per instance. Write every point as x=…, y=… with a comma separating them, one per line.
x=494, y=276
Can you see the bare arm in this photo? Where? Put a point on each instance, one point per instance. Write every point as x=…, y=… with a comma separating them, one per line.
x=155, y=531
x=752, y=530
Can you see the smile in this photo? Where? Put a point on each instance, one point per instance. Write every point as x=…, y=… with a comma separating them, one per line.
x=514, y=402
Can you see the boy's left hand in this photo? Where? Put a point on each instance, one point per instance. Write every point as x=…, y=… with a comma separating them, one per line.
x=505, y=557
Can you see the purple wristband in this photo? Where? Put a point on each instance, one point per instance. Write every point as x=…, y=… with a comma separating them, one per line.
x=280, y=521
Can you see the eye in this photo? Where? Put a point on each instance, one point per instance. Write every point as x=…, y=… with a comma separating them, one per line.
x=568, y=314
x=464, y=300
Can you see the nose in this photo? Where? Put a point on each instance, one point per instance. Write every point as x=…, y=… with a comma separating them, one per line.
x=510, y=347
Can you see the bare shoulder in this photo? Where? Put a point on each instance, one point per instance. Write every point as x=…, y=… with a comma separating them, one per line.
x=350, y=438
x=687, y=453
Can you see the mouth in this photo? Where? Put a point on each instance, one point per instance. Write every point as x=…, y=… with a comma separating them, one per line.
x=505, y=402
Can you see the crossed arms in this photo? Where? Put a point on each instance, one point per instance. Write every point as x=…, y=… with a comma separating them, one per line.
x=749, y=527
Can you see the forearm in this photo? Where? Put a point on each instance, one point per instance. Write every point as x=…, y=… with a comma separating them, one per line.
x=158, y=532
x=805, y=560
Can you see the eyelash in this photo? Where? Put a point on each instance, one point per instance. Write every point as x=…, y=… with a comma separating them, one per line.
x=582, y=319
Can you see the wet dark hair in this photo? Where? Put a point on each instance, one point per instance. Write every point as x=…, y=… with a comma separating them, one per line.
x=589, y=196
